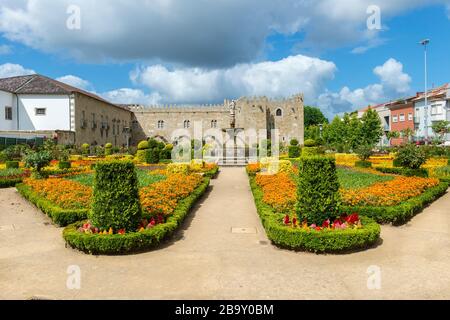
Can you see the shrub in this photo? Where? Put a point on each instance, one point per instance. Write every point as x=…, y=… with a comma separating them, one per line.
x=396, y=163
x=173, y=168
x=294, y=142
x=12, y=164
x=37, y=161
x=411, y=156
x=310, y=151
x=423, y=173
x=108, y=149
x=141, y=155
x=115, y=196
x=143, y=145
x=294, y=151
x=363, y=164
x=64, y=165
x=314, y=241
x=318, y=190
x=165, y=154
x=310, y=143
x=152, y=156
x=364, y=152
x=85, y=149
x=279, y=166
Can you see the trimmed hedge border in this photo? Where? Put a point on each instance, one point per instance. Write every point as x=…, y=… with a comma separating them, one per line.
x=212, y=174
x=403, y=212
x=422, y=173
x=61, y=217
x=132, y=242
x=314, y=241
x=9, y=183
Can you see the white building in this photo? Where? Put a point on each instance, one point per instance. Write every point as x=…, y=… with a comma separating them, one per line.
x=385, y=115
x=438, y=110
x=36, y=106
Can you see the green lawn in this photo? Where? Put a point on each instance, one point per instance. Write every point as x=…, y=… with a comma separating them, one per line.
x=144, y=178
x=10, y=172
x=353, y=179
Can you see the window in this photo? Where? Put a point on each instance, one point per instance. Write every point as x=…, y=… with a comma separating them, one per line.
x=214, y=124
x=410, y=116
x=8, y=113
x=402, y=117
x=41, y=111
x=160, y=124
x=187, y=124
x=435, y=109
x=279, y=112
x=395, y=119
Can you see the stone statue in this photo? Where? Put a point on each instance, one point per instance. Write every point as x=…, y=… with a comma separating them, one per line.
x=232, y=107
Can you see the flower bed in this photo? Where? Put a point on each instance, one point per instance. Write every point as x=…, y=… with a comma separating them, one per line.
x=310, y=238
x=11, y=177
x=119, y=242
x=387, y=199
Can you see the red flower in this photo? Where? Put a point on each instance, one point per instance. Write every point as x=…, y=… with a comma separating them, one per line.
x=352, y=219
x=121, y=231
x=294, y=222
x=326, y=223
x=318, y=228
x=286, y=220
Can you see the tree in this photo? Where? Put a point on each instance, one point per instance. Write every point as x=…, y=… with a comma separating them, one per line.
x=314, y=117
x=37, y=161
x=393, y=135
x=407, y=133
x=370, y=130
x=441, y=128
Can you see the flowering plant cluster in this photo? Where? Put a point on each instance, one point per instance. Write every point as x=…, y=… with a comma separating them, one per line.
x=279, y=191
x=344, y=222
x=161, y=198
x=388, y=193
x=253, y=168
x=66, y=194
x=145, y=224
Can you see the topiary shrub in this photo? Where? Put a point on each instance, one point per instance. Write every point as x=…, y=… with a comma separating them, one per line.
x=165, y=154
x=363, y=164
x=85, y=149
x=411, y=156
x=153, y=144
x=310, y=143
x=64, y=165
x=152, y=156
x=294, y=142
x=183, y=168
x=12, y=164
x=310, y=151
x=115, y=196
x=318, y=190
x=396, y=163
x=294, y=151
x=108, y=149
x=143, y=145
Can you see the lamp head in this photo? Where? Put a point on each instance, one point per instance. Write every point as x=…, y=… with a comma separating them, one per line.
x=424, y=42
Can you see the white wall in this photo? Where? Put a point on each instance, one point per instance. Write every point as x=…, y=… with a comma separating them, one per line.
x=57, y=115
x=7, y=100
x=419, y=111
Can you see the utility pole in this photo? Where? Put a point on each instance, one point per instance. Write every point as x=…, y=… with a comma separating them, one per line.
x=424, y=43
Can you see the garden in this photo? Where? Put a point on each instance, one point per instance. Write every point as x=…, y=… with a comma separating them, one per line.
x=109, y=202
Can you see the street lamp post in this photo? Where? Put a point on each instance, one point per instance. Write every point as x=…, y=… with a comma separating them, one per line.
x=424, y=43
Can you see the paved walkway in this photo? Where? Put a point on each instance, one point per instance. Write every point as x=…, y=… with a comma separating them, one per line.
x=206, y=260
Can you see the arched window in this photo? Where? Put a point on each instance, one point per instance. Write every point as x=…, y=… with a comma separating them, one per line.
x=213, y=123
x=187, y=124
x=161, y=124
x=279, y=112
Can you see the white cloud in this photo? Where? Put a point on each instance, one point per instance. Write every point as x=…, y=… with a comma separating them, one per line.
x=5, y=49
x=193, y=33
x=13, y=70
x=394, y=83
x=131, y=96
x=75, y=82
x=281, y=78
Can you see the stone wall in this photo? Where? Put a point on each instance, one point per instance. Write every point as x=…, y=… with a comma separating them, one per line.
x=251, y=113
x=98, y=122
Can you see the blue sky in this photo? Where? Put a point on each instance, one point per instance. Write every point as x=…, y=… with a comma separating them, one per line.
x=272, y=51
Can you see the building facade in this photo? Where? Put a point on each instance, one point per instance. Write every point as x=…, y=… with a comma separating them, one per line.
x=402, y=118
x=166, y=123
x=37, y=106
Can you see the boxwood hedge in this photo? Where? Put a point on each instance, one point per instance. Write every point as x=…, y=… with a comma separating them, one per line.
x=8, y=183
x=59, y=216
x=401, y=213
x=309, y=240
x=137, y=241
x=423, y=173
